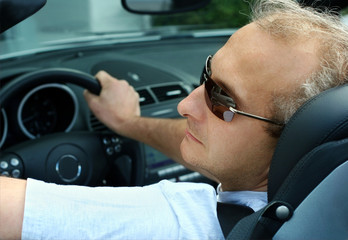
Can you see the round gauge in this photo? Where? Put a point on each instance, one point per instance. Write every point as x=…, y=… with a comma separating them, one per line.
x=47, y=109
x=40, y=115
x=3, y=127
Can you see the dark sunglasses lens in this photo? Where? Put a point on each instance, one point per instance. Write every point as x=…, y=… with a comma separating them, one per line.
x=217, y=109
x=220, y=111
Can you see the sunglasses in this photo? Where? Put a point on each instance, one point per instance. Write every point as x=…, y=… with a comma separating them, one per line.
x=220, y=104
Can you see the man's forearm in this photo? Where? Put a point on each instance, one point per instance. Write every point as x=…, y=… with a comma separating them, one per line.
x=12, y=198
x=164, y=135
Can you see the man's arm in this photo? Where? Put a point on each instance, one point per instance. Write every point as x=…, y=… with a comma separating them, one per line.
x=117, y=107
x=12, y=197
x=163, y=134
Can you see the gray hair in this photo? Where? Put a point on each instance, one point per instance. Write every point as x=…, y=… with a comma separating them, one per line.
x=288, y=21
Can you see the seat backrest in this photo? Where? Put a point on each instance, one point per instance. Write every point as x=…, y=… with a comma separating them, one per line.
x=323, y=213
x=322, y=119
x=313, y=145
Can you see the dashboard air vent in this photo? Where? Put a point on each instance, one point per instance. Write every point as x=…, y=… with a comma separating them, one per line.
x=145, y=97
x=96, y=125
x=164, y=93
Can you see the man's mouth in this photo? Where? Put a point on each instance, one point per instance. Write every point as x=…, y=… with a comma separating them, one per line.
x=190, y=136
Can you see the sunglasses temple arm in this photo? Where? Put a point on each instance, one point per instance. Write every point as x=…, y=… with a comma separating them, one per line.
x=254, y=116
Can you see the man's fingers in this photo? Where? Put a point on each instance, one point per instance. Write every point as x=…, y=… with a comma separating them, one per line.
x=103, y=77
x=89, y=96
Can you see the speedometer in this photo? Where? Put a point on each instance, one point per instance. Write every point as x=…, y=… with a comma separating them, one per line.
x=39, y=116
x=47, y=109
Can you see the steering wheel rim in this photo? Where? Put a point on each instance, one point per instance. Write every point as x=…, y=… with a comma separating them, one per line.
x=55, y=153
x=56, y=75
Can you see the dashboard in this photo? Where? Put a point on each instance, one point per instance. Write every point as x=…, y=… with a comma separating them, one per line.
x=38, y=112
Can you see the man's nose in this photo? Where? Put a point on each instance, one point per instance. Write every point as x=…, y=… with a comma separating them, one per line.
x=194, y=104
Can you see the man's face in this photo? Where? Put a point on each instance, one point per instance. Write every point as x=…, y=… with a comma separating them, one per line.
x=251, y=68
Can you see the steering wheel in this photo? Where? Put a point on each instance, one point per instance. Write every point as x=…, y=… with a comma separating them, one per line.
x=80, y=158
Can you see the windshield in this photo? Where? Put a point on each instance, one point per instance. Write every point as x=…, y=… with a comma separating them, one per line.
x=63, y=23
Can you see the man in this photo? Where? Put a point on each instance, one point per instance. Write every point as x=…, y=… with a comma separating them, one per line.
x=250, y=88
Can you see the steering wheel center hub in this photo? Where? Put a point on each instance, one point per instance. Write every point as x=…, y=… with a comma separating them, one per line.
x=68, y=168
x=67, y=164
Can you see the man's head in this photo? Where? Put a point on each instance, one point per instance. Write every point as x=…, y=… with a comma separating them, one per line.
x=286, y=21
x=269, y=68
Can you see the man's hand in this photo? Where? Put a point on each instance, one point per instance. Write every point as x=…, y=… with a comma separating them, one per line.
x=117, y=106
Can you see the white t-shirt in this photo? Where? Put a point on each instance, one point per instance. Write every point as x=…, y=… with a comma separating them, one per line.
x=164, y=210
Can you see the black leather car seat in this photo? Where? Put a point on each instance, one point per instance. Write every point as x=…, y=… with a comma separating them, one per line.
x=307, y=188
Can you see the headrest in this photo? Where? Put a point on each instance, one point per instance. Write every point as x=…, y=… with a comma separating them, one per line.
x=322, y=119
